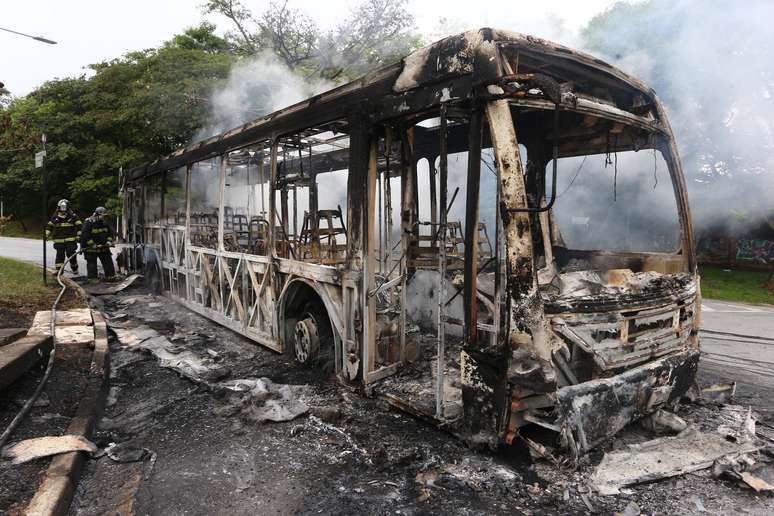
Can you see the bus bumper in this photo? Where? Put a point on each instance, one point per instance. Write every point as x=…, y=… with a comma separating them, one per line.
x=593, y=411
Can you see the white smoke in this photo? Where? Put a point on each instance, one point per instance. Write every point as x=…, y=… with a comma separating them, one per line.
x=255, y=87
x=712, y=64
x=422, y=294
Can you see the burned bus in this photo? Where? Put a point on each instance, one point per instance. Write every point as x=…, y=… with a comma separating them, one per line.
x=492, y=233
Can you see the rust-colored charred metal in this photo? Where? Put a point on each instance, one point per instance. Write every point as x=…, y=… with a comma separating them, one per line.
x=504, y=323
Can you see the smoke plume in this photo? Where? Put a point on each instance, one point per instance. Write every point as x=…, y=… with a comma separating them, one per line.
x=712, y=63
x=256, y=86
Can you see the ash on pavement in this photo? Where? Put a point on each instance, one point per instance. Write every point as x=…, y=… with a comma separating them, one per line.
x=349, y=455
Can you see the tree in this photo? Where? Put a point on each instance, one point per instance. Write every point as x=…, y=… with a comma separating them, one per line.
x=376, y=33
x=287, y=33
x=133, y=109
x=291, y=35
x=240, y=17
x=201, y=38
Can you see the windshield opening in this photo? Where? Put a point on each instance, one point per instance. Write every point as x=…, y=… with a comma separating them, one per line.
x=616, y=206
x=620, y=201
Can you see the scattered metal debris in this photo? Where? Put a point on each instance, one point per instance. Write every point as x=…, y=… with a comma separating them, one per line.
x=587, y=502
x=664, y=457
x=740, y=427
x=719, y=393
x=315, y=422
x=663, y=422
x=201, y=369
x=631, y=509
x=757, y=474
x=30, y=449
x=126, y=452
x=260, y=400
x=103, y=289
x=757, y=483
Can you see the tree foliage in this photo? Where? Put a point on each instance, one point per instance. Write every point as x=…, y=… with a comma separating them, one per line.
x=132, y=109
x=374, y=34
x=150, y=102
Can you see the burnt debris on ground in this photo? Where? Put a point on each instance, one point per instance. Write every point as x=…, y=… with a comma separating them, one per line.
x=168, y=432
x=50, y=415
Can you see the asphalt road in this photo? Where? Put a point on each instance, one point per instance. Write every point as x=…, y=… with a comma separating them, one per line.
x=716, y=315
x=737, y=340
x=31, y=250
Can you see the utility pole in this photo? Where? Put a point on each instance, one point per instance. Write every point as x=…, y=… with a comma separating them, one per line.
x=40, y=162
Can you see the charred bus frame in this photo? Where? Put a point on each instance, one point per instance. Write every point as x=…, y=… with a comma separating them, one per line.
x=339, y=280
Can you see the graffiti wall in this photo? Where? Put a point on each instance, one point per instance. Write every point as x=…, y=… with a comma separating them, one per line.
x=759, y=250
x=729, y=251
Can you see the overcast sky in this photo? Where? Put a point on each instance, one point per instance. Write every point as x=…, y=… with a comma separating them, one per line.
x=90, y=31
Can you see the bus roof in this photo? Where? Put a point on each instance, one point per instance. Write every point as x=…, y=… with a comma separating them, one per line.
x=451, y=68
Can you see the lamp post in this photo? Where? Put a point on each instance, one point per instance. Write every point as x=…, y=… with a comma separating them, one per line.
x=37, y=38
x=40, y=162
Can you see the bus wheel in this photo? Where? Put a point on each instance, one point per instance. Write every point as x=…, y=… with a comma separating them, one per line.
x=306, y=339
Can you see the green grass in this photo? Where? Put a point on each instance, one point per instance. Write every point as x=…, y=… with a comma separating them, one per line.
x=735, y=285
x=14, y=229
x=21, y=284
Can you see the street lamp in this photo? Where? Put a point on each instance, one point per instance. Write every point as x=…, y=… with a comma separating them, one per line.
x=38, y=38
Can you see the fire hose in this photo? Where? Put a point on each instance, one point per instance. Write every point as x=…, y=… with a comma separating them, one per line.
x=52, y=328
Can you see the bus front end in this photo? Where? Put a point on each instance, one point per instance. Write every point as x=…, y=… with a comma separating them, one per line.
x=599, y=316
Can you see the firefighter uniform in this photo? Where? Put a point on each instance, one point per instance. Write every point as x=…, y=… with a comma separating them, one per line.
x=96, y=240
x=64, y=229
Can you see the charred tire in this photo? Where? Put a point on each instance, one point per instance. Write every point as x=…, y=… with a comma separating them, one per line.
x=306, y=339
x=307, y=331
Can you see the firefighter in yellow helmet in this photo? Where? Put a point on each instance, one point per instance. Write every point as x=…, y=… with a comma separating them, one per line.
x=96, y=240
x=64, y=228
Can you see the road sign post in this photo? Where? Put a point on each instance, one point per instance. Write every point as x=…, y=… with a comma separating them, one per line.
x=40, y=162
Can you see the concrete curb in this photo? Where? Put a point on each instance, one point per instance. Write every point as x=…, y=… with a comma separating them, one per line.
x=55, y=494
x=18, y=357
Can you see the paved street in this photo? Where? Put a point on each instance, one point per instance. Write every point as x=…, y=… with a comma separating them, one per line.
x=737, y=341
x=737, y=318
x=31, y=250
x=716, y=315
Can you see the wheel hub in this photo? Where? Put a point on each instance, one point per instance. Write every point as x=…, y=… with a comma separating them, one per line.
x=306, y=340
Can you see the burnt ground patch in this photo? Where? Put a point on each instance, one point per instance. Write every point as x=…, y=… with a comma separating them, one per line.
x=49, y=416
x=351, y=455
x=20, y=313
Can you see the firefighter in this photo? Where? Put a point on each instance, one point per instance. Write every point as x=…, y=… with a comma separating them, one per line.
x=96, y=241
x=64, y=229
